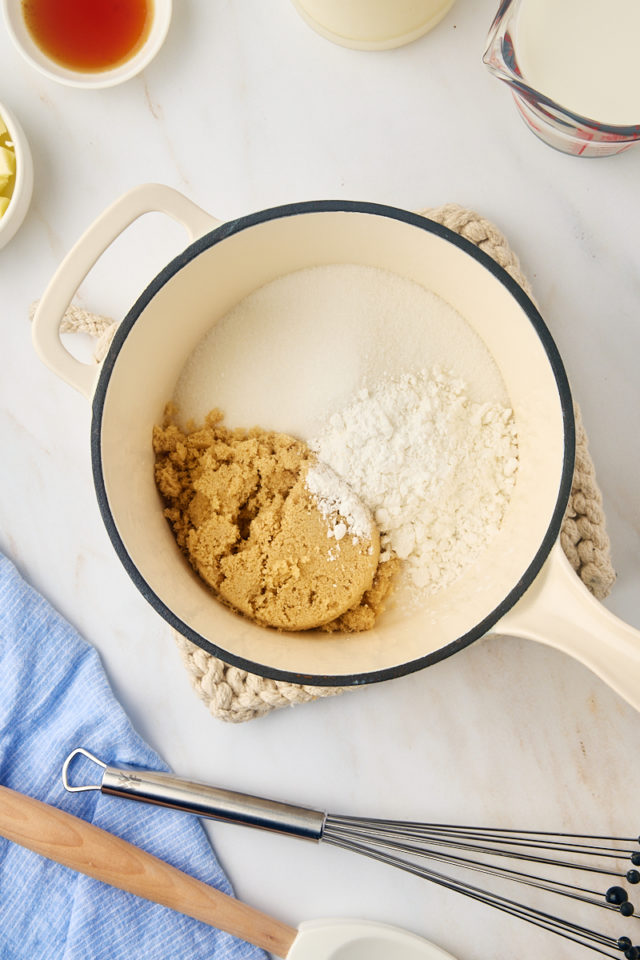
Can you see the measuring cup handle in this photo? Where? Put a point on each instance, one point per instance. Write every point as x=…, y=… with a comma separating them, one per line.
x=147, y=198
x=559, y=611
x=90, y=850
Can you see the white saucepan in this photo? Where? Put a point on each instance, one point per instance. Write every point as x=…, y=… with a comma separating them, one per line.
x=523, y=587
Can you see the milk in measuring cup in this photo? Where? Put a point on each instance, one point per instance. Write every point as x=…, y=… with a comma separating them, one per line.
x=584, y=55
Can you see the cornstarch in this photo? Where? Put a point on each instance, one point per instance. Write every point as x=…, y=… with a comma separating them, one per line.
x=337, y=502
x=435, y=468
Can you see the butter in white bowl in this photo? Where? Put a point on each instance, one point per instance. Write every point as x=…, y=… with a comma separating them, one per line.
x=7, y=167
x=16, y=175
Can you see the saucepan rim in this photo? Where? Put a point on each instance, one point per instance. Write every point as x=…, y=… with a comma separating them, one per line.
x=216, y=236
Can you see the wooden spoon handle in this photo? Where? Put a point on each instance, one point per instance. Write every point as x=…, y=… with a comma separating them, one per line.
x=90, y=850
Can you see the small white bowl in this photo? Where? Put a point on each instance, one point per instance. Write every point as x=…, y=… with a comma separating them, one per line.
x=89, y=79
x=23, y=187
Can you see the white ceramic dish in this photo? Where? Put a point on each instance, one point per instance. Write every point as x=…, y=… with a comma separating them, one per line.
x=23, y=188
x=24, y=42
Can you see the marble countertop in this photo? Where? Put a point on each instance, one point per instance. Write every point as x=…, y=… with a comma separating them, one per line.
x=244, y=108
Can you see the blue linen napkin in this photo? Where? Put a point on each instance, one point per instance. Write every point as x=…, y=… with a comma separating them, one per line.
x=54, y=696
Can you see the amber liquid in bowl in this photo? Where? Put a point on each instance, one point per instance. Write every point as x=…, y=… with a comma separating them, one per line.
x=89, y=35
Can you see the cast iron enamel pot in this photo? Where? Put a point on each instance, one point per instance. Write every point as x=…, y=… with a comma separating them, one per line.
x=523, y=586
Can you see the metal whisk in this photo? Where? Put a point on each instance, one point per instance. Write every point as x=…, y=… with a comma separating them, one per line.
x=414, y=847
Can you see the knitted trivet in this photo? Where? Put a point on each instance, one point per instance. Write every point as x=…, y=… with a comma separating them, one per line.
x=235, y=695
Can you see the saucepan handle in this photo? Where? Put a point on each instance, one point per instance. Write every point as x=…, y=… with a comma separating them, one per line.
x=559, y=611
x=147, y=198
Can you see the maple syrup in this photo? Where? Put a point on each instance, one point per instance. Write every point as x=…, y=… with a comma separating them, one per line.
x=88, y=35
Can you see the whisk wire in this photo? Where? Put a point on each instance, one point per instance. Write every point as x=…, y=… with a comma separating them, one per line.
x=564, y=928
x=528, y=879
x=359, y=830
x=438, y=833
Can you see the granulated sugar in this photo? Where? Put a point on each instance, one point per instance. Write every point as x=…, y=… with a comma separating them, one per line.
x=435, y=468
x=303, y=344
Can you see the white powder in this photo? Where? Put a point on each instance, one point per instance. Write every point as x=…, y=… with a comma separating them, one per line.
x=335, y=499
x=435, y=468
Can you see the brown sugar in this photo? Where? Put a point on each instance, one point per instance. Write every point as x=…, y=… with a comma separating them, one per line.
x=247, y=522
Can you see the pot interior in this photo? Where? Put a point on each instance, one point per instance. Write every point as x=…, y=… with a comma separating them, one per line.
x=179, y=309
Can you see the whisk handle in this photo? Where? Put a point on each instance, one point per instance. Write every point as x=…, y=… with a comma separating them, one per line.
x=215, y=803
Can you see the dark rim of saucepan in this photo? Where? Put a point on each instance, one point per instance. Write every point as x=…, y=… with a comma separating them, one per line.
x=415, y=220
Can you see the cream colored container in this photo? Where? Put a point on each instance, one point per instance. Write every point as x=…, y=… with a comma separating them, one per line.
x=372, y=24
x=523, y=586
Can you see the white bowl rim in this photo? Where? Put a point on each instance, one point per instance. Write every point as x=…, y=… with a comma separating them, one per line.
x=88, y=80
x=23, y=187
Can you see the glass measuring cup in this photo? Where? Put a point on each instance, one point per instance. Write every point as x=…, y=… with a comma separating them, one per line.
x=555, y=124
